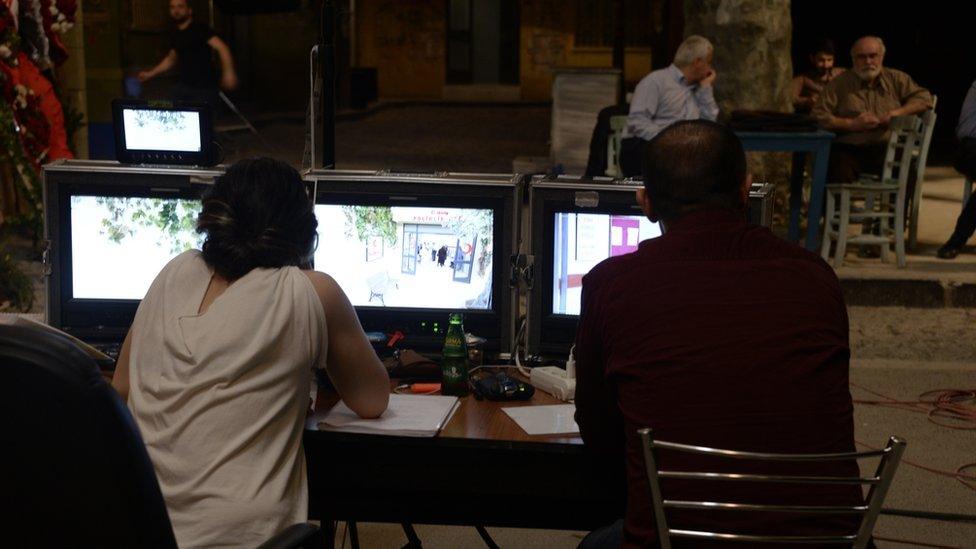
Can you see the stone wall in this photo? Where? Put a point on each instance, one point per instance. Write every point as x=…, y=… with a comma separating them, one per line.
x=405, y=40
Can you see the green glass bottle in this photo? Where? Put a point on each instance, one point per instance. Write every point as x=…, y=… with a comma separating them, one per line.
x=454, y=359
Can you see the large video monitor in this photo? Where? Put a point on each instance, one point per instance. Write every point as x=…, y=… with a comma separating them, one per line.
x=409, y=250
x=576, y=224
x=112, y=230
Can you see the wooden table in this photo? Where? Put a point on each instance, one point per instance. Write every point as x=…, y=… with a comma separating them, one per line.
x=481, y=470
x=816, y=143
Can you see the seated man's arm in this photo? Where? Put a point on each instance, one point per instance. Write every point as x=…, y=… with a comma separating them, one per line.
x=228, y=77
x=914, y=99
x=167, y=63
x=799, y=100
x=705, y=98
x=597, y=414
x=643, y=110
x=825, y=112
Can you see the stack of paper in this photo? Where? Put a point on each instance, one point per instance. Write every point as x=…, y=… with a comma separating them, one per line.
x=407, y=415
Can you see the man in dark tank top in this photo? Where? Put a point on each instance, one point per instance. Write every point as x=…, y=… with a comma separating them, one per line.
x=192, y=44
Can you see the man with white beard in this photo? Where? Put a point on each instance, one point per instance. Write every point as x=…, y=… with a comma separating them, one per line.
x=858, y=105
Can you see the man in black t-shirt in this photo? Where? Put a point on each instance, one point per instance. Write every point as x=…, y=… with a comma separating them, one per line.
x=190, y=48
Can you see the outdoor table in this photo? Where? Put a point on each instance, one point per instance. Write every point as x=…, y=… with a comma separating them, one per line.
x=799, y=143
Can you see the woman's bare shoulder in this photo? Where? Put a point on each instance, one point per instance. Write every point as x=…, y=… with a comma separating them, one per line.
x=325, y=286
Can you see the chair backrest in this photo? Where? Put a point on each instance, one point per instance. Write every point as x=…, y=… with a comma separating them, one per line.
x=928, y=126
x=78, y=474
x=879, y=484
x=905, y=137
x=617, y=125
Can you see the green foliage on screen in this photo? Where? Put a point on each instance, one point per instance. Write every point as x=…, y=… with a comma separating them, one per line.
x=371, y=221
x=176, y=219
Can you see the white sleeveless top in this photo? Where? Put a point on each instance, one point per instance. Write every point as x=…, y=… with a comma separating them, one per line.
x=221, y=398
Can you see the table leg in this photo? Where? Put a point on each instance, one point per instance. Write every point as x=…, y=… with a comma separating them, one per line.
x=821, y=156
x=796, y=194
x=328, y=528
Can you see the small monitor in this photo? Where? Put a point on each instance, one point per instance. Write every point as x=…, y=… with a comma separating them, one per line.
x=576, y=224
x=163, y=133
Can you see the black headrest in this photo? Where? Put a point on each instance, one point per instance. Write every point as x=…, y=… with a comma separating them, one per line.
x=78, y=468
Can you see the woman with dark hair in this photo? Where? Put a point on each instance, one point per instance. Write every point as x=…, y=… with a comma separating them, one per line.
x=218, y=363
x=808, y=85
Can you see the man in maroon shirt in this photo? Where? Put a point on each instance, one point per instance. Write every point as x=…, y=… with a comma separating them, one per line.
x=718, y=334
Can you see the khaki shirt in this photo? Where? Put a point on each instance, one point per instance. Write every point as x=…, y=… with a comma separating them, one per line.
x=847, y=96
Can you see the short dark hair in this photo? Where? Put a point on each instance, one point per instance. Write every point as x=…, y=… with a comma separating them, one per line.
x=822, y=45
x=258, y=214
x=694, y=165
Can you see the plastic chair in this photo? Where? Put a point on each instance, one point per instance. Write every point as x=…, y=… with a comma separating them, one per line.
x=78, y=471
x=879, y=484
x=617, y=126
x=883, y=200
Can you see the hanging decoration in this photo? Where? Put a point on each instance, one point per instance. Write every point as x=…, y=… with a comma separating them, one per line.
x=31, y=115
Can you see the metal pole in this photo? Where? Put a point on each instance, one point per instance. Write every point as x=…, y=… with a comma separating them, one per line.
x=328, y=66
x=619, y=45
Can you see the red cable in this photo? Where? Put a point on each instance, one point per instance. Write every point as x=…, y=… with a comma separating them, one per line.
x=944, y=403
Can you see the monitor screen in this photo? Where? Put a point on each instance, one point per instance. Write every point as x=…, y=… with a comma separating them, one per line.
x=411, y=257
x=119, y=244
x=161, y=130
x=583, y=240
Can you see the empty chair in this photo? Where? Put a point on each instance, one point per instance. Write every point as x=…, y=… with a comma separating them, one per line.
x=881, y=203
x=78, y=471
x=879, y=484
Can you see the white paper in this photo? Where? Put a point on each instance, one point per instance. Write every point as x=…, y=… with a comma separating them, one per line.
x=555, y=419
x=406, y=415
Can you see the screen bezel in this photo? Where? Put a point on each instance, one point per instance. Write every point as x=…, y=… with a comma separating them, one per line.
x=550, y=333
x=492, y=324
x=204, y=157
x=88, y=318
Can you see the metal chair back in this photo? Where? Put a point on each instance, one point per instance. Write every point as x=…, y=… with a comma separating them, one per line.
x=879, y=484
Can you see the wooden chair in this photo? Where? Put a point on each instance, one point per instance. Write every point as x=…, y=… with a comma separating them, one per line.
x=879, y=484
x=922, y=156
x=883, y=200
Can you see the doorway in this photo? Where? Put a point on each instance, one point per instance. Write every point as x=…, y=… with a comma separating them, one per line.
x=482, y=42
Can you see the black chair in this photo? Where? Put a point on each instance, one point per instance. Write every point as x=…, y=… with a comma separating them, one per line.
x=75, y=468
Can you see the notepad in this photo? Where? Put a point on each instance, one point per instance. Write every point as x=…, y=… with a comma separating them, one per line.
x=406, y=415
x=556, y=419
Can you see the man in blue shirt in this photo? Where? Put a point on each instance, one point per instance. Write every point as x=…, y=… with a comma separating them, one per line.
x=965, y=163
x=682, y=91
